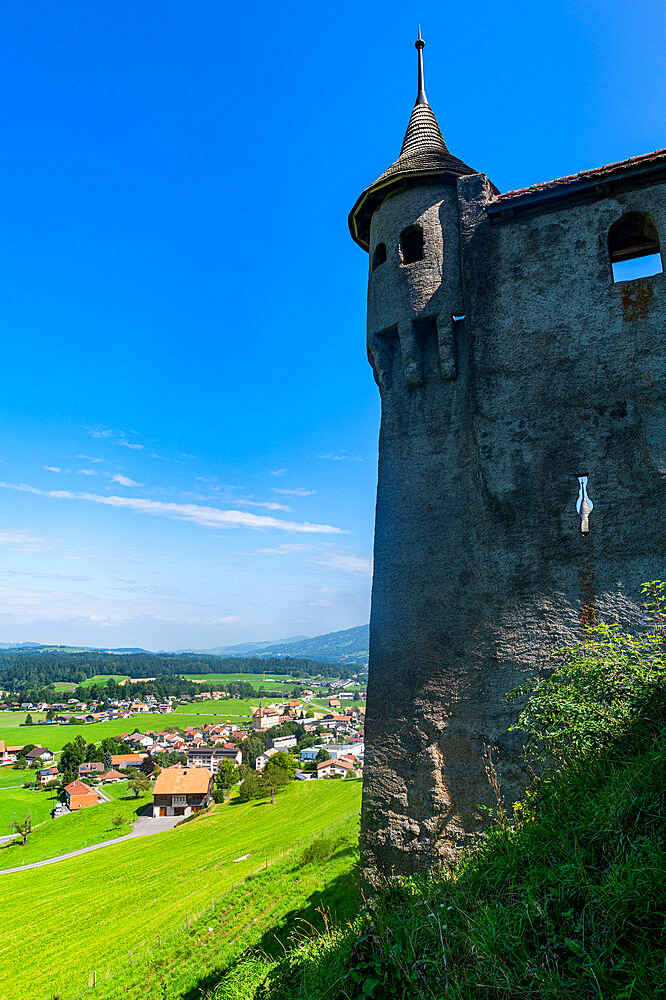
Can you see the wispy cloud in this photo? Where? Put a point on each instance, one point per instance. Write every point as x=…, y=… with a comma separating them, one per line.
x=89, y=458
x=53, y=468
x=123, y=480
x=24, y=541
x=295, y=493
x=208, y=517
x=348, y=563
x=285, y=550
x=266, y=504
x=88, y=472
x=278, y=472
x=341, y=456
x=117, y=437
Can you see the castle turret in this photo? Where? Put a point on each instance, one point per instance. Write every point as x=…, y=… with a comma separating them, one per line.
x=408, y=221
x=514, y=373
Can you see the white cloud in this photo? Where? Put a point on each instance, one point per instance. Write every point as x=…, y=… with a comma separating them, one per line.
x=52, y=468
x=88, y=472
x=130, y=444
x=341, y=456
x=278, y=472
x=123, y=480
x=89, y=458
x=24, y=541
x=100, y=432
x=295, y=493
x=348, y=563
x=207, y=517
x=284, y=550
x=266, y=504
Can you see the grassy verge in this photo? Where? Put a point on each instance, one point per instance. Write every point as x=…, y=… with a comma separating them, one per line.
x=82, y=828
x=565, y=901
x=16, y=802
x=85, y=912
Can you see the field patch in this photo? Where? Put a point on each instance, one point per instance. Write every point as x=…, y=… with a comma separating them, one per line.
x=86, y=913
x=16, y=802
x=217, y=681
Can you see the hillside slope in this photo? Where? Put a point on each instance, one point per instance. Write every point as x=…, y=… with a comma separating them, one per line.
x=348, y=646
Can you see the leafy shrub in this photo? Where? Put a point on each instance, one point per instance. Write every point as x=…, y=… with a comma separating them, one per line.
x=317, y=851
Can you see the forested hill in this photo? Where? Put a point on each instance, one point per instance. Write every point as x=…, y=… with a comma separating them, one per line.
x=32, y=668
x=349, y=646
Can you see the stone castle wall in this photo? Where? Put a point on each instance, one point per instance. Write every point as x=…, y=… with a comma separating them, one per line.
x=480, y=565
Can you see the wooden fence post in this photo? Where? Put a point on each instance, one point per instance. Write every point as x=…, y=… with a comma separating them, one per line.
x=94, y=978
x=187, y=919
x=131, y=962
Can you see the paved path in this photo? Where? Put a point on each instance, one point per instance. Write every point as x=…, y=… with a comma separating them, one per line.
x=145, y=826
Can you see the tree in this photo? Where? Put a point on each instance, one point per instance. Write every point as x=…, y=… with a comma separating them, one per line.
x=72, y=755
x=24, y=827
x=322, y=755
x=226, y=776
x=284, y=760
x=251, y=747
x=273, y=778
x=118, y=821
x=251, y=787
x=108, y=763
x=138, y=785
x=28, y=720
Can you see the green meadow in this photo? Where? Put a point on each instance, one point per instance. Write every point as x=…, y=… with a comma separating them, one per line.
x=55, y=736
x=87, y=913
x=16, y=802
x=217, y=681
x=78, y=829
x=218, y=711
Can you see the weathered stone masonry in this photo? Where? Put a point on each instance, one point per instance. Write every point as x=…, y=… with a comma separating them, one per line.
x=554, y=373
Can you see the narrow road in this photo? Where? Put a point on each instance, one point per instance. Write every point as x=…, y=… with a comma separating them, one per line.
x=145, y=826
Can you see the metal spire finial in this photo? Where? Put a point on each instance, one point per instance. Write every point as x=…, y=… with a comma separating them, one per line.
x=420, y=97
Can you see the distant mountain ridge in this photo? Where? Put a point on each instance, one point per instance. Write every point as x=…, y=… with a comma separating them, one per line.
x=349, y=645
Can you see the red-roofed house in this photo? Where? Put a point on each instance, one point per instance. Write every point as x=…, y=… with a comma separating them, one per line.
x=79, y=795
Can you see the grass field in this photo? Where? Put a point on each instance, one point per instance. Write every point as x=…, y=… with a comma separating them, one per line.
x=85, y=912
x=217, y=681
x=54, y=737
x=78, y=829
x=20, y=801
x=230, y=708
x=10, y=777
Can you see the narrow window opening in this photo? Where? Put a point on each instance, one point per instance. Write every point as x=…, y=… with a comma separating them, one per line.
x=411, y=245
x=584, y=505
x=633, y=247
x=379, y=256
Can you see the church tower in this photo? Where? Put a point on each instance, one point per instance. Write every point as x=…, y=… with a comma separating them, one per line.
x=522, y=430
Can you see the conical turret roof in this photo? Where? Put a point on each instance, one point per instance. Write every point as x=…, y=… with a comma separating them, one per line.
x=424, y=156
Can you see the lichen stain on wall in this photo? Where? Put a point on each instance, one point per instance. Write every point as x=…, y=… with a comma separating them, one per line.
x=636, y=301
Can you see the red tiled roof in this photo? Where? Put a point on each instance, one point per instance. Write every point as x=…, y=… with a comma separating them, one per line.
x=656, y=158
x=79, y=788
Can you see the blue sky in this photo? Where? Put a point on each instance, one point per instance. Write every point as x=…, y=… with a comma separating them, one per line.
x=189, y=424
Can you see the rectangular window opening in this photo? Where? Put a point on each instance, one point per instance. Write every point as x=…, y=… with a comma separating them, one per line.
x=637, y=267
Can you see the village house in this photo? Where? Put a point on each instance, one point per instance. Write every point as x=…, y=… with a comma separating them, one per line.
x=38, y=753
x=79, y=796
x=282, y=742
x=124, y=760
x=109, y=777
x=265, y=718
x=212, y=757
x=92, y=767
x=263, y=759
x=181, y=791
x=331, y=768
x=47, y=774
